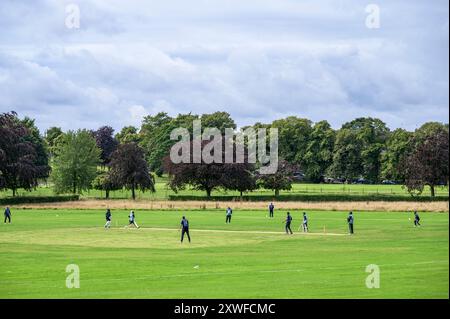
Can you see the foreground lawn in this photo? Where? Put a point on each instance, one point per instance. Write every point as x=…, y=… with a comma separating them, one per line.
x=251, y=258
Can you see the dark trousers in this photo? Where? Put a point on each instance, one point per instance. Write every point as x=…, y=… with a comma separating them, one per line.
x=228, y=219
x=350, y=228
x=185, y=231
x=8, y=217
x=288, y=228
x=416, y=222
x=271, y=213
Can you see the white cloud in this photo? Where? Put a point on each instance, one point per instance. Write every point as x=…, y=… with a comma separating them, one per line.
x=257, y=59
x=137, y=112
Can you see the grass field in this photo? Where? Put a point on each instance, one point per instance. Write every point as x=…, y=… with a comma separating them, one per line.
x=163, y=192
x=250, y=258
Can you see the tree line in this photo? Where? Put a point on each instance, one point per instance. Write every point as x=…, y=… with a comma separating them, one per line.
x=76, y=161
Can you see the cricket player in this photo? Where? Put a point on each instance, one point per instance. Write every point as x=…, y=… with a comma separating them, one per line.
x=184, y=226
x=271, y=208
x=305, y=223
x=288, y=223
x=108, y=218
x=350, y=222
x=416, y=219
x=229, y=213
x=132, y=219
x=8, y=215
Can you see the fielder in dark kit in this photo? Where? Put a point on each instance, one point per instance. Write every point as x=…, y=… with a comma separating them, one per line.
x=288, y=223
x=8, y=215
x=184, y=225
x=229, y=214
x=271, y=208
x=416, y=219
x=350, y=222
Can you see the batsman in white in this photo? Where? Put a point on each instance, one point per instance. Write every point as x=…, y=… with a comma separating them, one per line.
x=132, y=219
x=108, y=218
x=305, y=223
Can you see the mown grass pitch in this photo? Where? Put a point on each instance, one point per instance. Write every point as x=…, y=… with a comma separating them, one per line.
x=250, y=258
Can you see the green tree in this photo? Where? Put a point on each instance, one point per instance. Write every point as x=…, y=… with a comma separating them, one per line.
x=104, y=182
x=281, y=180
x=319, y=153
x=398, y=146
x=219, y=120
x=347, y=162
x=156, y=140
x=75, y=162
x=428, y=129
x=51, y=138
x=293, y=137
x=361, y=144
x=155, y=133
x=128, y=134
x=34, y=136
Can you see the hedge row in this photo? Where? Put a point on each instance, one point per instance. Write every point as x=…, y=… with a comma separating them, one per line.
x=315, y=198
x=37, y=199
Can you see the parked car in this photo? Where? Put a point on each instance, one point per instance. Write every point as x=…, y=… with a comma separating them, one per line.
x=328, y=180
x=388, y=182
x=331, y=180
x=361, y=180
x=299, y=176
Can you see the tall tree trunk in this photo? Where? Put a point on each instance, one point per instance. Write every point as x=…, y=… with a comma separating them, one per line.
x=107, y=194
x=208, y=192
x=74, y=183
x=277, y=192
x=432, y=190
x=14, y=192
x=133, y=192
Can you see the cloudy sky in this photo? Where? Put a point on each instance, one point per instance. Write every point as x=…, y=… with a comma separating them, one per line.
x=256, y=59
